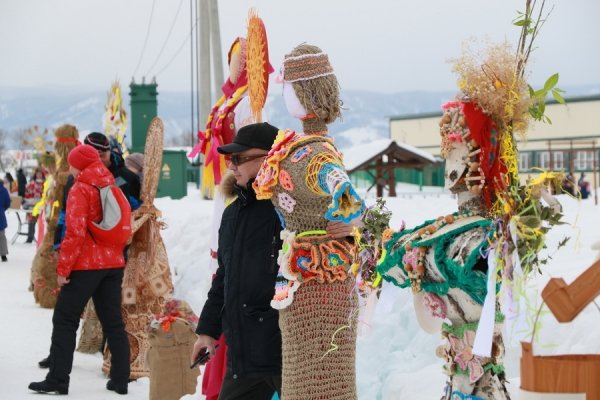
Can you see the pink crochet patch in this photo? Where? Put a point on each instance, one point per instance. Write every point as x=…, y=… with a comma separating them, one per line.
x=286, y=180
x=286, y=202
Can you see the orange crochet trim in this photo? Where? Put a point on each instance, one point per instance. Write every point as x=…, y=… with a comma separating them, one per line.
x=323, y=259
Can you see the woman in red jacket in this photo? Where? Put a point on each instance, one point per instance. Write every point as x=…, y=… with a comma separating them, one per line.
x=86, y=269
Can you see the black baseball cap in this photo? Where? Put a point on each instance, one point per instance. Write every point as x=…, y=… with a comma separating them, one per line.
x=253, y=136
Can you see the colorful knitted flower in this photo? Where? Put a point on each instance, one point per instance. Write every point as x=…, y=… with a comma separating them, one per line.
x=286, y=202
x=283, y=137
x=410, y=258
x=334, y=260
x=287, y=281
x=435, y=305
x=301, y=153
x=302, y=262
x=286, y=180
x=464, y=357
x=265, y=178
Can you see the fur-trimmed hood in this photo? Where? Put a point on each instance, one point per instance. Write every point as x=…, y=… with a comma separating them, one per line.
x=228, y=186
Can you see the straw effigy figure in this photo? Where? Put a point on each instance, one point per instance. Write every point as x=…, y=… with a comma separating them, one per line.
x=114, y=120
x=460, y=265
x=147, y=280
x=45, y=289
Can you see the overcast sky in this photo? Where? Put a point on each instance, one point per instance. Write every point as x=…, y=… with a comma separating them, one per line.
x=376, y=45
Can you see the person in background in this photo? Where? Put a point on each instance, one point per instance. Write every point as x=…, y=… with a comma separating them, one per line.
x=125, y=179
x=135, y=163
x=4, y=205
x=33, y=194
x=21, y=182
x=569, y=184
x=9, y=183
x=86, y=269
x=584, y=187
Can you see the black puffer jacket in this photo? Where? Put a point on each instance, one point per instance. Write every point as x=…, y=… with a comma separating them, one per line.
x=127, y=181
x=238, y=302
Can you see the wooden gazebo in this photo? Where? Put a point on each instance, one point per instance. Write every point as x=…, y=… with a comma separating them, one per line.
x=381, y=157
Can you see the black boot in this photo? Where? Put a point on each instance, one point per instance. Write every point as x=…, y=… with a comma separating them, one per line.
x=120, y=388
x=4, y=259
x=49, y=387
x=45, y=363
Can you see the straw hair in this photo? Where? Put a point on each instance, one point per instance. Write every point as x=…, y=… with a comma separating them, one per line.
x=318, y=93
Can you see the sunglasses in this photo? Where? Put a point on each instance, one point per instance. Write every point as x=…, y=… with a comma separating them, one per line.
x=238, y=160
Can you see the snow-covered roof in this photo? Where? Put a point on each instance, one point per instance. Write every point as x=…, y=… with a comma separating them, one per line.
x=359, y=154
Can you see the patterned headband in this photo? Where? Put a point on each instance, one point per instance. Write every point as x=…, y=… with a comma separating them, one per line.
x=306, y=67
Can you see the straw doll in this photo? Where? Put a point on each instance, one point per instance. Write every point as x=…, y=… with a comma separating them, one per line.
x=45, y=289
x=460, y=265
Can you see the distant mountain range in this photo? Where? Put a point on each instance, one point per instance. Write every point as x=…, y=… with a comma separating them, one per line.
x=365, y=117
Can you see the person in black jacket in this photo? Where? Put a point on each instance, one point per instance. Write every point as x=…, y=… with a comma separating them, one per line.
x=126, y=180
x=238, y=303
x=21, y=183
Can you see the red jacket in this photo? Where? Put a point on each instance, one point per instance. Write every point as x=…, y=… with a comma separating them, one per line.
x=78, y=250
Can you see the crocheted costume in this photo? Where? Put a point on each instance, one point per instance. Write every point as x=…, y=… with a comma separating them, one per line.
x=306, y=181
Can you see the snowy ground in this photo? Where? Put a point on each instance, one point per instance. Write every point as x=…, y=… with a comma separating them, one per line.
x=395, y=359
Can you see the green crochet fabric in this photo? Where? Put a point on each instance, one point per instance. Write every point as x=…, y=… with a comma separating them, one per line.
x=459, y=331
x=463, y=277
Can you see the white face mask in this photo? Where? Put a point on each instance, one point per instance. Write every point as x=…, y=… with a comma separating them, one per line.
x=456, y=164
x=292, y=103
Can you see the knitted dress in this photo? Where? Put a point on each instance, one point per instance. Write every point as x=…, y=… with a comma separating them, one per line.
x=305, y=178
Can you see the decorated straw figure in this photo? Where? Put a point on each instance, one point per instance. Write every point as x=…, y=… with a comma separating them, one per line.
x=43, y=207
x=115, y=117
x=457, y=264
x=228, y=115
x=147, y=280
x=305, y=178
x=45, y=288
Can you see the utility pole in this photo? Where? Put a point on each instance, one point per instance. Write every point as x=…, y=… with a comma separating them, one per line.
x=192, y=74
x=215, y=36
x=203, y=62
